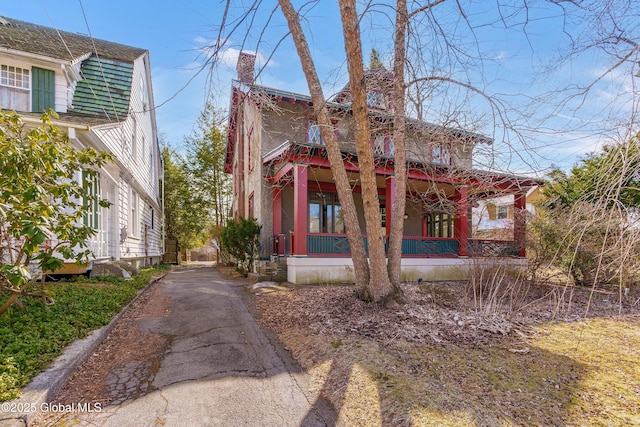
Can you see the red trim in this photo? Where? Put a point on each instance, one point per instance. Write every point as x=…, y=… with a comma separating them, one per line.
x=280, y=174
x=315, y=156
x=277, y=209
x=251, y=208
x=390, y=190
x=231, y=132
x=275, y=154
x=461, y=221
x=329, y=187
x=520, y=223
x=249, y=147
x=300, y=209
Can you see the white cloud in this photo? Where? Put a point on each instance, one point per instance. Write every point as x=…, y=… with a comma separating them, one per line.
x=227, y=56
x=501, y=56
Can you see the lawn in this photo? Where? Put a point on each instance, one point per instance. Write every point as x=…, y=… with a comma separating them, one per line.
x=438, y=361
x=30, y=339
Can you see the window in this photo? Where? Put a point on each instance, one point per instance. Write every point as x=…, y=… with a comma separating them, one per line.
x=251, y=206
x=377, y=100
x=390, y=148
x=14, y=77
x=91, y=186
x=143, y=146
x=441, y=154
x=382, y=144
x=153, y=217
x=439, y=224
x=249, y=147
x=379, y=144
x=313, y=132
x=503, y=212
x=134, y=137
x=325, y=214
x=14, y=88
x=134, y=213
x=143, y=94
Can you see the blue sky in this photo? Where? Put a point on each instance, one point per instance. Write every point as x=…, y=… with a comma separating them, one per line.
x=177, y=34
x=169, y=30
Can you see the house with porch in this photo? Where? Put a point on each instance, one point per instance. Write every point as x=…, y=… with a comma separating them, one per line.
x=103, y=96
x=493, y=218
x=282, y=177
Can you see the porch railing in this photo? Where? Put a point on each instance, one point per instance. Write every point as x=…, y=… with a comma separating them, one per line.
x=492, y=248
x=338, y=244
x=429, y=246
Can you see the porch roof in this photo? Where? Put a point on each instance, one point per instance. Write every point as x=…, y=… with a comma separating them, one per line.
x=284, y=156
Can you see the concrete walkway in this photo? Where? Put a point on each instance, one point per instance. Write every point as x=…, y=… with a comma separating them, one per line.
x=219, y=368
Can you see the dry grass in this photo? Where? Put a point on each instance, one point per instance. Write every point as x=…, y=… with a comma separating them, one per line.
x=436, y=361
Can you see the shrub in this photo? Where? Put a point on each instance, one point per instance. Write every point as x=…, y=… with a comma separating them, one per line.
x=241, y=239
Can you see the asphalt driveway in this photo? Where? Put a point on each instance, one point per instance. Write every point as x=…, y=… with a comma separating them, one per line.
x=218, y=367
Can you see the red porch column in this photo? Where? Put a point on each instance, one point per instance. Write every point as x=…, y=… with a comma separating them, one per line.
x=276, y=215
x=389, y=192
x=461, y=221
x=300, y=209
x=520, y=223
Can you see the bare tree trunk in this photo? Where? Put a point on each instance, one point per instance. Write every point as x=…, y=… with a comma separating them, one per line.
x=379, y=287
x=358, y=254
x=400, y=195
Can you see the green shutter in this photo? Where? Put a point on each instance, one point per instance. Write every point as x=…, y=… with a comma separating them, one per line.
x=42, y=89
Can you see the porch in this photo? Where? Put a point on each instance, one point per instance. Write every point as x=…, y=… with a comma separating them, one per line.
x=305, y=223
x=337, y=245
x=328, y=258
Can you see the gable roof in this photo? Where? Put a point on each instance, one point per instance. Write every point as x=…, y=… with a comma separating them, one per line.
x=37, y=39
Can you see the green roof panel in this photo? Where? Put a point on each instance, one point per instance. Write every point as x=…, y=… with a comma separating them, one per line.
x=105, y=88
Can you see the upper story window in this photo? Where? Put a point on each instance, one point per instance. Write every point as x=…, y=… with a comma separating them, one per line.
x=134, y=137
x=144, y=97
x=14, y=77
x=252, y=206
x=14, y=88
x=441, y=154
x=503, y=212
x=379, y=144
x=377, y=100
x=313, y=131
x=382, y=144
x=22, y=89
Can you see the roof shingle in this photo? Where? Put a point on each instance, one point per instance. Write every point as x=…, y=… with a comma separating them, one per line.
x=37, y=39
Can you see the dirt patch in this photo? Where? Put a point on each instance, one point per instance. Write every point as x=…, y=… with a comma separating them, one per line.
x=124, y=345
x=444, y=360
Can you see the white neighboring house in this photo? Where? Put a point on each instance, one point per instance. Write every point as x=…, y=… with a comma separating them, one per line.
x=102, y=92
x=493, y=217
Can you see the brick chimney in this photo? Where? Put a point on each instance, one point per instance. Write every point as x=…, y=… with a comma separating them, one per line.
x=246, y=62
